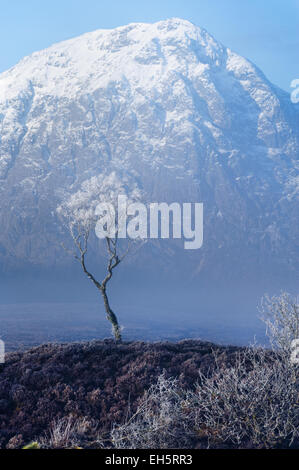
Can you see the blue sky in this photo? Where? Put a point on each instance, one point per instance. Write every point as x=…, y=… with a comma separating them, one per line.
x=265, y=31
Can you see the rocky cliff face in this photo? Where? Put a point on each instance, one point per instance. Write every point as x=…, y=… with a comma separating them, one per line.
x=192, y=120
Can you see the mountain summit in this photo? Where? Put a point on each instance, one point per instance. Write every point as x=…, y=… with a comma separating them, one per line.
x=188, y=117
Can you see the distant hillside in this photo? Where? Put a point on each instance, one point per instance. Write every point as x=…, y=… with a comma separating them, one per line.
x=189, y=119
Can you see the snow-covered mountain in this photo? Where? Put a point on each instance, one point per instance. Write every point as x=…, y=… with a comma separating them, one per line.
x=191, y=119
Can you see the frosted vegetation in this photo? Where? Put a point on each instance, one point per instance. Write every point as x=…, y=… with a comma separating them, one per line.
x=250, y=402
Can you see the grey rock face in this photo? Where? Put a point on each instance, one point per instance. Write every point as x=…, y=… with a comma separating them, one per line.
x=192, y=120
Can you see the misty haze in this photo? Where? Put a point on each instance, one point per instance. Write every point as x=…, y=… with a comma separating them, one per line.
x=149, y=227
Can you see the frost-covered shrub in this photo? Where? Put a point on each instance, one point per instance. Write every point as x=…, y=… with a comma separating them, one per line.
x=68, y=432
x=252, y=403
x=281, y=316
x=160, y=422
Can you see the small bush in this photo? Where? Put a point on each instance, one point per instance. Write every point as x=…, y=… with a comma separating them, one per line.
x=68, y=433
x=252, y=403
x=281, y=317
x=161, y=420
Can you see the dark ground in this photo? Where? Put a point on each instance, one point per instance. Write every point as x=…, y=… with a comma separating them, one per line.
x=96, y=380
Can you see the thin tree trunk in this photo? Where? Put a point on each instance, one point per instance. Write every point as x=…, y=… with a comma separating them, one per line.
x=111, y=316
x=102, y=287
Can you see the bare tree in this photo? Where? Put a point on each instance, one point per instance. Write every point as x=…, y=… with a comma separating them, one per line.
x=78, y=213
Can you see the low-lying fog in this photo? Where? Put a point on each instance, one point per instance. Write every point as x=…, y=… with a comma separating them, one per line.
x=35, y=311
